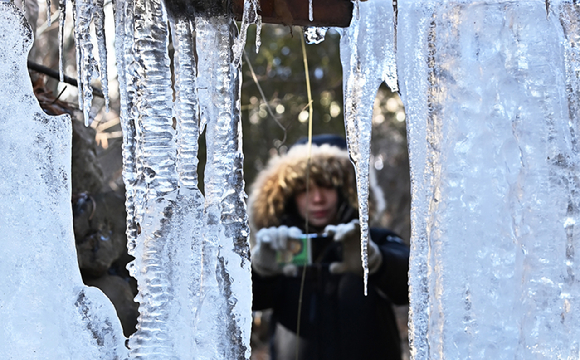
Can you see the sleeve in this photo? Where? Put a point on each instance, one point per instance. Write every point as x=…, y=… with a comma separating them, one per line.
x=393, y=275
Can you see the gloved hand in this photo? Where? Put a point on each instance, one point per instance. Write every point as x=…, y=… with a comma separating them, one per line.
x=349, y=235
x=268, y=242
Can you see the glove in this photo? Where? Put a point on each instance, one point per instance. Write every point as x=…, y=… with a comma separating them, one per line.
x=349, y=235
x=268, y=242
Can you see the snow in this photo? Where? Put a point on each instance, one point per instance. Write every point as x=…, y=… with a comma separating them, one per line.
x=45, y=310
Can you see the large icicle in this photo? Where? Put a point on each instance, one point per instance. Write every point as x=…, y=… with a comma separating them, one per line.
x=123, y=47
x=62, y=18
x=155, y=187
x=224, y=317
x=99, y=12
x=45, y=310
x=191, y=262
x=86, y=65
x=491, y=92
x=368, y=58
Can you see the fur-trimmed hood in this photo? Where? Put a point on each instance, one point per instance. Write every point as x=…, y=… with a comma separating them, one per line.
x=284, y=176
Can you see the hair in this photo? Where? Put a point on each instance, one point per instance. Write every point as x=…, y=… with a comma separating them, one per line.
x=272, y=195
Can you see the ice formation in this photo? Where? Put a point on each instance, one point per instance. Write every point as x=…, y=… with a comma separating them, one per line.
x=191, y=250
x=45, y=310
x=368, y=59
x=491, y=92
x=492, y=102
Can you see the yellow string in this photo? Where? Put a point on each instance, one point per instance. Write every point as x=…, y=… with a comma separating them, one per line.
x=309, y=92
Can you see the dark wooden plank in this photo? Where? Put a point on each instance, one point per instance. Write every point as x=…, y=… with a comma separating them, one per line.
x=326, y=13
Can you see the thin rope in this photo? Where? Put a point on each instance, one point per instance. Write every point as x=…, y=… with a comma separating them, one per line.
x=309, y=92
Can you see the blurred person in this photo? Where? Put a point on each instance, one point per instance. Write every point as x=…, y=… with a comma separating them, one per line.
x=337, y=321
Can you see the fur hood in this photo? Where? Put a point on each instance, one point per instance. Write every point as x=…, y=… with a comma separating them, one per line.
x=271, y=193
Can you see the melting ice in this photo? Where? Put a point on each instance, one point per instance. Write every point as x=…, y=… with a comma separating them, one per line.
x=45, y=310
x=491, y=92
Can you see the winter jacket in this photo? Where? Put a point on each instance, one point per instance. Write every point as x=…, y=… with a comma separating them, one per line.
x=337, y=320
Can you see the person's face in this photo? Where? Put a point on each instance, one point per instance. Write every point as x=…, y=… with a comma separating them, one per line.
x=319, y=206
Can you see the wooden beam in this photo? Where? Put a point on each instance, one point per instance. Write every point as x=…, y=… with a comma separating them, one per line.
x=326, y=13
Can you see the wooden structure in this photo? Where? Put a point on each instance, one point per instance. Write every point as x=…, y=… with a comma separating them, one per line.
x=326, y=13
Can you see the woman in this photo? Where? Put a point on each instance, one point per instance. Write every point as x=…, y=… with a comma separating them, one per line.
x=337, y=321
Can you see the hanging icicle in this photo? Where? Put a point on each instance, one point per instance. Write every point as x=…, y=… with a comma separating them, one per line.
x=86, y=65
x=365, y=69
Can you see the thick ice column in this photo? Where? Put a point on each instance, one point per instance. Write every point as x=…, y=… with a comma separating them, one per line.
x=45, y=310
x=191, y=251
x=491, y=93
x=225, y=308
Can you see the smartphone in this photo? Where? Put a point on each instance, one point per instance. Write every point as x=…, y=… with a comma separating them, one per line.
x=298, y=251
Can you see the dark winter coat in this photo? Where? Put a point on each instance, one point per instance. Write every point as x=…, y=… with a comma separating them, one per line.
x=337, y=320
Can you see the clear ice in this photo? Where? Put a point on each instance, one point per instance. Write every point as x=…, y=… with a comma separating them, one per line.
x=86, y=64
x=491, y=89
x=368, y=58
x=491, y=92
x=192, y=262
x=45, y=310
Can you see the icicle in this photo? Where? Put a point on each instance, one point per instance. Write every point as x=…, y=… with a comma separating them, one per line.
x=156, y=184
x=250, y=15
x=186, y=104
x=364, y=69
x=310, y=15
x=102, y=47
x=314, y=35
x=224, y=316
x=488, y=152
x=48, y=15
x=83, y=11
x=46, y=311
x=258, y=34
x=62, y=18
x=190, y=198
x=123, y=45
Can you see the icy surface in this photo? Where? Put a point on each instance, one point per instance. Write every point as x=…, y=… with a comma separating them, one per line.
x=86, y=64
x=191, y=251
x=249, y=16
x=61, y=22
x=368, y=58
x=45, y=310
x=99, y=21
x=225, y=306
x=491, y=92
x=314, y=35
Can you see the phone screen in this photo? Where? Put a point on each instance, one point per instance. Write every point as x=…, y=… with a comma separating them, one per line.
x=298, y=252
